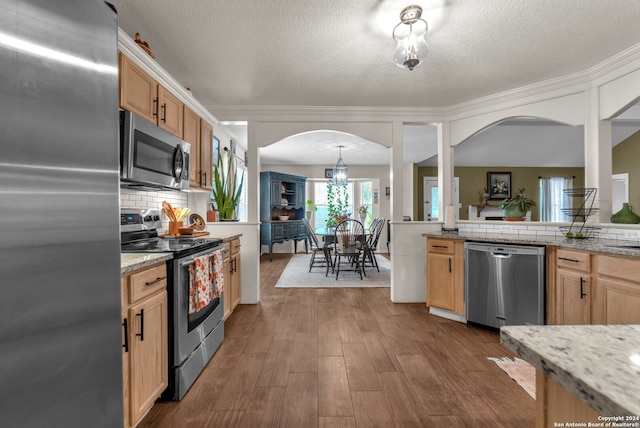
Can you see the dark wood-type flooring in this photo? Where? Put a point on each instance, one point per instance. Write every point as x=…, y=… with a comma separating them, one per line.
x=348, y=357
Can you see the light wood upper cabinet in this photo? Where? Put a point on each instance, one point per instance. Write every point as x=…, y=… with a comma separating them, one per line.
x=617, y=299
x=191, y=134
x=445, y=274
x=141, y=94
x=138, y=91
x=206, y=161
x=170, y=112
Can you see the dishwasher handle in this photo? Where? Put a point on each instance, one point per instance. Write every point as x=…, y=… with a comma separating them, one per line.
x=501, y=255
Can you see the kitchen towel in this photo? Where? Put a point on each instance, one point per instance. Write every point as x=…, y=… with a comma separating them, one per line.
x=200, y=283
x=218, y=273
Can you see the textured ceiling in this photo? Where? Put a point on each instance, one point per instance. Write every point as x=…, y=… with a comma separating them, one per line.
x=340, y=53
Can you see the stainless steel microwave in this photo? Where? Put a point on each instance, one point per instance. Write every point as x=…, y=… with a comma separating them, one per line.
x=150, y=157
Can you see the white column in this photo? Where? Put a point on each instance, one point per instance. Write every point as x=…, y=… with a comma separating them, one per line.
x=598, y=156
x=397, y=175
x=253, y=175
x=445, y=168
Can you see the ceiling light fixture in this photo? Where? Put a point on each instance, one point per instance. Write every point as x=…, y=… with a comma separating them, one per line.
x=412, y=49
x=340, y=171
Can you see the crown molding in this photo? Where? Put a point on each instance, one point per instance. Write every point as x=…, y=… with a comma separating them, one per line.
x=130, y=48
x=331, y=114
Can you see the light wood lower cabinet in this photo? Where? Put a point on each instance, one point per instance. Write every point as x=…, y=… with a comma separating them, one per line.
x=232, y=293
x=145, y=334
x=445, y=274
x=593, y=288
x=573, y=288
x=618, y=291
x=554, y=404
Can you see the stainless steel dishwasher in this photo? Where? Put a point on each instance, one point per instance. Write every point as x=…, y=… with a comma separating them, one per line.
x=504, y=284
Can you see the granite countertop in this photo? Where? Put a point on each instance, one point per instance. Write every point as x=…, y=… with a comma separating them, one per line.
x=131, y=262
x=225, y=236
x=609, y=246
x=598, y=363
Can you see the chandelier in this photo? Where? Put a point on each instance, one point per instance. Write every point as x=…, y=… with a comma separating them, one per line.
x=340, y=171
x=412, y=49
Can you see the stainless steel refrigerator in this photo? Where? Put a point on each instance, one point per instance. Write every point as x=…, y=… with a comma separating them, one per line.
x=60, y=324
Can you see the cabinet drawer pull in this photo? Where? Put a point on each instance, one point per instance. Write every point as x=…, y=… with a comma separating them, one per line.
x=440, y=246
x=155, y=107
x=126, y=335
x=582, y=293
x=141, y=334
x=569, y=260
x=164, y=113
x=155, y=281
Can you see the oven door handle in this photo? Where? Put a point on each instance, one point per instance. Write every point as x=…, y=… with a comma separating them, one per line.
x=187, y=263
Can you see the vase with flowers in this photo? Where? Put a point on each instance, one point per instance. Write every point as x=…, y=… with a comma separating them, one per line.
x=363, y=210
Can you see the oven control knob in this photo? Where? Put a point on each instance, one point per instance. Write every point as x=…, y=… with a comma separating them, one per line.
x=156, y=218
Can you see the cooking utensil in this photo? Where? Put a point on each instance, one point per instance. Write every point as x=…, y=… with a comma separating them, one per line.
x=168, y=210
x=197, y=221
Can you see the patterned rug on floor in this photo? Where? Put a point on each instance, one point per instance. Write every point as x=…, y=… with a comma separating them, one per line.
x=297, y=275
x=520, y=371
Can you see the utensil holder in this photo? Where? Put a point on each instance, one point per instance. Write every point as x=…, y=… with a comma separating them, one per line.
x=174, y=227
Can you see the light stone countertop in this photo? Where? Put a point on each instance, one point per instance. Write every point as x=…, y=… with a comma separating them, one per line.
x=598, y=363
x=131, y=262
x=609, y=246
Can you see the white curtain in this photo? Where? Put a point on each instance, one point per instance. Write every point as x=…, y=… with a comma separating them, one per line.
x=553, y=199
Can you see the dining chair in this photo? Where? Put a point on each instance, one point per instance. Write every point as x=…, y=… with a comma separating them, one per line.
x=317, y=261
x=349, y=243
x=369, y=251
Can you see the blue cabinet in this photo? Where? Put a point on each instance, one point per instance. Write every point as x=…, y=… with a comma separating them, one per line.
x=282, y=195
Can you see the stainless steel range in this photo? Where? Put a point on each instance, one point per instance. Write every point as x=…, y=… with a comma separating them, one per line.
x=193, y=338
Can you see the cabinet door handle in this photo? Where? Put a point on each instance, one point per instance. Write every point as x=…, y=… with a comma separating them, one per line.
x=155, y=107
x=164, y=113
x=126, y=335
x=582, y=293
x=141, y=334
x=205, y=178
x=155, y=281
x=233, y=265
x=449, y=264
x=569, y=260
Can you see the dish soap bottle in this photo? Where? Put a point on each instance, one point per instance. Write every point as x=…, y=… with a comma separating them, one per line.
x=625, y=215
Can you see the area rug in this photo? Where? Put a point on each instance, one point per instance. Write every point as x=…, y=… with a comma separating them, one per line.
x=520, y=371
x=297, y=275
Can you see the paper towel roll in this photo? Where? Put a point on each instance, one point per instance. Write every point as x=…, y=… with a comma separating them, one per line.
x=449, y=217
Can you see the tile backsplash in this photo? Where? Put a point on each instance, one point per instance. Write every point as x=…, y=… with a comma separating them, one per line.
x=621, y=233
x=147, y=200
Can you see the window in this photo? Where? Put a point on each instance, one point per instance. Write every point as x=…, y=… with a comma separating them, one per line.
x=553, y=198
x=366, y=199
x=321, y=200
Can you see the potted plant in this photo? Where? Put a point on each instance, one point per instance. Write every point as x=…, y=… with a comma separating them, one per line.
x=517, y=207
x=311, y=208
x=337, y=204
x=226, y=193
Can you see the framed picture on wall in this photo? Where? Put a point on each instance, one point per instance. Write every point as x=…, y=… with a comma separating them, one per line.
x=499, y=185
x=215, y=150
x=328, y=173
